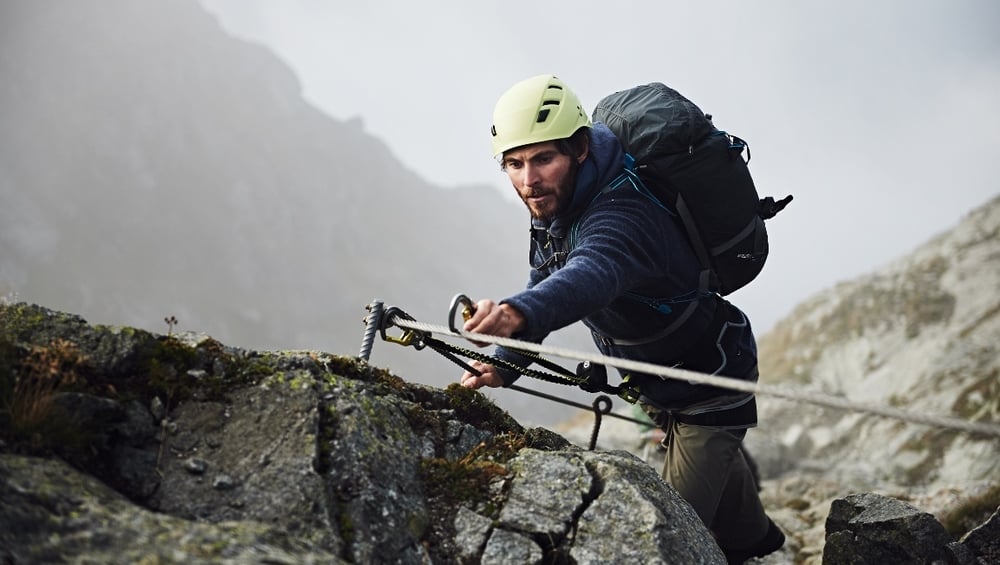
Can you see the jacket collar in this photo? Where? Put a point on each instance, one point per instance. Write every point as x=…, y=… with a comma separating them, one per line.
x=604, y=162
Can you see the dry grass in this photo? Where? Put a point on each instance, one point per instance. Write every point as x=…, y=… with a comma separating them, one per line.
x=41, y=374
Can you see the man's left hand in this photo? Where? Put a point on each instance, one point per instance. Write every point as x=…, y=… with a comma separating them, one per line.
x=488, y=376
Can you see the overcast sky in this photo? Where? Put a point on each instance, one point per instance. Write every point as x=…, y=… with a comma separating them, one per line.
x=882, y=118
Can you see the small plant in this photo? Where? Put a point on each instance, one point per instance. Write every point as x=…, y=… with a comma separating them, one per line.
x=44, y=372
x=469, y=477
x=171, y=322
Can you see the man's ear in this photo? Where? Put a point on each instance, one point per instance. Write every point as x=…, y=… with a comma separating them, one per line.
x=584, y=150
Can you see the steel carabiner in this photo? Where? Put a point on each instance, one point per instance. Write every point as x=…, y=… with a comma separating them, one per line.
x=467, y=312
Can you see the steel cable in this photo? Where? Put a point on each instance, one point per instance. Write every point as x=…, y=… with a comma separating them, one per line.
x=817, y=398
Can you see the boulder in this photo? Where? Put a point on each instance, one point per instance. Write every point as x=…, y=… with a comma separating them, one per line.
x=186, y=450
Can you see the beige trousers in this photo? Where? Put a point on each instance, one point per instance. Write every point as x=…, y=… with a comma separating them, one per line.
x=706, y=466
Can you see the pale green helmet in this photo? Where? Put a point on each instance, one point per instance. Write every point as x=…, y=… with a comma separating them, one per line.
x=537, y=109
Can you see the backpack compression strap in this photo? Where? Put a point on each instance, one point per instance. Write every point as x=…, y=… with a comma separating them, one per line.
x=707, y=276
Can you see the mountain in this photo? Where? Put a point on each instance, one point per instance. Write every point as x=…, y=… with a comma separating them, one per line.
x=921, y=335
x=153, y=166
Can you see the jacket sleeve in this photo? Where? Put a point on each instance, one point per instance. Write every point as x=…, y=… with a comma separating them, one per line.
x=619, y=242
x=509, y=376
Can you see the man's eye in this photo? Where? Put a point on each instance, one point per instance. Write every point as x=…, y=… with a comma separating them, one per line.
x=512, y=165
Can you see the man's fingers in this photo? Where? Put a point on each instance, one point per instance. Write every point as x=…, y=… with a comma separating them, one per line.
x=488, y=377
x=471, y=381
x=483, y=309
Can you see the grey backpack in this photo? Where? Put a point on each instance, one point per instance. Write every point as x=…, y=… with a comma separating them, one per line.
x=697, y=172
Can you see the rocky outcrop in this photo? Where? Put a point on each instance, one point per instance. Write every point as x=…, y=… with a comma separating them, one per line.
x=868, y=528
x=122, y=446
x=919, y=335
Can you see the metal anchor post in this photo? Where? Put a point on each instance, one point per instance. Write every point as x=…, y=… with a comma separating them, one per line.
x=373, y=321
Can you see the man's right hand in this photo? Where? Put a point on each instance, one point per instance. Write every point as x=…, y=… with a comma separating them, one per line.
x=489, y=377
x=490, y=318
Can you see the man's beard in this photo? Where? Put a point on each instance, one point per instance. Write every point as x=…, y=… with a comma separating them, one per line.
x=563, y=194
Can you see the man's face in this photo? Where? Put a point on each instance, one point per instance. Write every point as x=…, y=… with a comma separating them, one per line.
x=543, y=177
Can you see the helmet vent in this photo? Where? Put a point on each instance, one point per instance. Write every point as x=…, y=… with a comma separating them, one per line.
x=543, y=114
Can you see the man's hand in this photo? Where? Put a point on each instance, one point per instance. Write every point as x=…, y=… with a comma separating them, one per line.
x=489, y=376
x=490, y=318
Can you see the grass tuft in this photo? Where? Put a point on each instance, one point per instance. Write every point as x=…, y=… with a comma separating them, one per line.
x=30, y=385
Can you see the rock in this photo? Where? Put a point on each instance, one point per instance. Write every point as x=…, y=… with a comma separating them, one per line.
x=653, y=524
x=275, y=422
x=572, y=503
x=983, y=542
x=116, y=437
x=157, y=409
x=471, y=532
x=507, y=547
x=870, y=528
x=88, y=411
x=135, y=471
x=298, y=457
x=548, y=492
x=53, y=513
x=225, y=482
x=137, y=428
x=195, y=465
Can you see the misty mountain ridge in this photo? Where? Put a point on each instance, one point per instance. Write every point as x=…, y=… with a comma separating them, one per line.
x=151, y=165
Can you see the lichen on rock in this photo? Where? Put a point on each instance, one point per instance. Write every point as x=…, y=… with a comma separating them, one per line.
x=193, y=451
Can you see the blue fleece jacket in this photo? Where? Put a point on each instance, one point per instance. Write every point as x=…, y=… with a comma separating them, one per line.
x=618, y=261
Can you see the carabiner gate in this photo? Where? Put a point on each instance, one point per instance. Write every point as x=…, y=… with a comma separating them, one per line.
x=467, y=311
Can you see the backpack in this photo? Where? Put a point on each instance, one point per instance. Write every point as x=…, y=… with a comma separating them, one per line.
x=698, y=173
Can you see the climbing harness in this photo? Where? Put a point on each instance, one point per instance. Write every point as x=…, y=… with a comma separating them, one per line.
x=591, y=374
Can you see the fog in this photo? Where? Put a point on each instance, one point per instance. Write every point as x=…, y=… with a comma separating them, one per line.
x=880, y=118
x=263, y=170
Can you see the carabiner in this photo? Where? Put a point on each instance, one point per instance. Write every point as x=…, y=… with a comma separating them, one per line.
x=409, y=337
x=467, y=312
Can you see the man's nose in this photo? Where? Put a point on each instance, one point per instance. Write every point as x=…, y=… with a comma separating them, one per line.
x=530, y=175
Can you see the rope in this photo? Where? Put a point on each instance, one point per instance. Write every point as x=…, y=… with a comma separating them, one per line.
x=819, y=399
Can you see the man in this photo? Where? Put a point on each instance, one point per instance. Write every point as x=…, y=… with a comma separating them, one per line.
x=604, y=252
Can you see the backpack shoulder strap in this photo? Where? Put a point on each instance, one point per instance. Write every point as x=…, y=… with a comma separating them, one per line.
x=627, y=176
